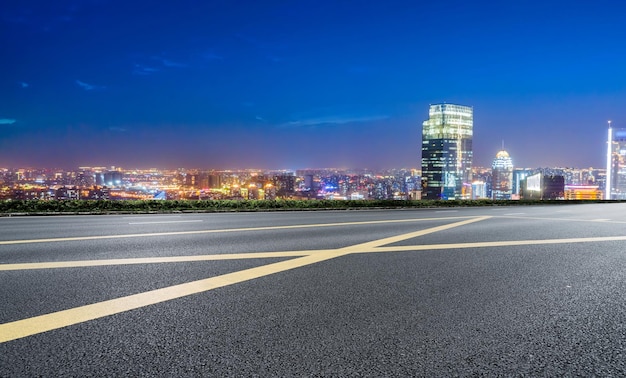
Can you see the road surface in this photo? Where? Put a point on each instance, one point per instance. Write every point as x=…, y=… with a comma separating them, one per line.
x=536, y=290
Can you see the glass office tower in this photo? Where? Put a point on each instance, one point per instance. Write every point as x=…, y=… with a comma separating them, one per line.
x=502, y=176
x=616, y=164
x=447, y=152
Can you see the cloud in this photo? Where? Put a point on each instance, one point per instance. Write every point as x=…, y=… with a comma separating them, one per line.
x=144, y=70
x=24, y=84
x=88, y=87
x=7, y=121
x=259, y=118
x=334, y=120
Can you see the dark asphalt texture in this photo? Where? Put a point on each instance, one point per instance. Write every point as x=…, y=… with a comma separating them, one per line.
x=529, y=310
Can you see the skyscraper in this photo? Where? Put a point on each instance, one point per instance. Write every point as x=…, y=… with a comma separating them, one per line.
x=447, y=152
x=502, y=176
x=616, y=164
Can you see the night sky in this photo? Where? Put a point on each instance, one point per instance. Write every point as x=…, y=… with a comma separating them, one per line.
x=295, y=84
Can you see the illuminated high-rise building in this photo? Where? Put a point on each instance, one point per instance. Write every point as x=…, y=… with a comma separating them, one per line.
x=447, y=152
x=616, y=164
x=479, y=190
x=502, y=176
x=519, y=175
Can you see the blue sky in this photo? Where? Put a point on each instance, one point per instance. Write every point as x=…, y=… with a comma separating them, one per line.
x=293, y=84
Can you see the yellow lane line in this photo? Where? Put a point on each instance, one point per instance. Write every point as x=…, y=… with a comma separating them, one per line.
x=508, y=243
x=152, y=260
x=365, y=247
x=43, y=323
x=196, y=232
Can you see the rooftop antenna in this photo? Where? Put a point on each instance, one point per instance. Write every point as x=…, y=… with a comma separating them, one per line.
x=502, y=144
x=609, y=164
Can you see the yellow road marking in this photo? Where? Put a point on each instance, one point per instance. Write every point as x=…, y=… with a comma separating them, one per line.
x=43, y=323
x=196, y=232
x=365, y=247
x=151, y=260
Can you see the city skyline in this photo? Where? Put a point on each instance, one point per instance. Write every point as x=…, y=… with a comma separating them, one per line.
x=304, y=84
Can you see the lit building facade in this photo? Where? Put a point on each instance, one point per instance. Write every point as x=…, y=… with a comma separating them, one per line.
x=544, y=187
x=479, y=190
x=583, y=192
x=616, y=164
x=519, y=176
x=447, y=152
x=502, y=176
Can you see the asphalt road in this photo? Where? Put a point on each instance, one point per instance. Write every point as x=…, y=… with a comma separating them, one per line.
x=535, y=291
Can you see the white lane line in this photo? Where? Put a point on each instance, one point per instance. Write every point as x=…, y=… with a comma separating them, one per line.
x=160, y=222
x=601, y=220
x=153, y=217
x=446, y=211
x=515, y=214
x=558, y=219
x=506, y=243
x=224, y=230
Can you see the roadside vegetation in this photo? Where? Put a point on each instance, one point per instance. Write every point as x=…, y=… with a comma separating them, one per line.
x=17, y=207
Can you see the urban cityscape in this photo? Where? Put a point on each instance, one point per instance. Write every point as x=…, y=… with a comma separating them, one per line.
x=446, y=173
x=209, y=188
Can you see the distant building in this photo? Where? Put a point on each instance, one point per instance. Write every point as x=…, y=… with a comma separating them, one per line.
x=235, y=192
x=253, y=192
x=32, y=194
x=102, y=193
x=502, y=176
x=215, y=181
x=269, y=192
x=583, y=192
x=198, y=180
x=616, y=164
x=113, y=179
x=519, y=175
x=479, y=190
x=447, y=152
x=544, y=187
x=65, y=193
x=285, y=185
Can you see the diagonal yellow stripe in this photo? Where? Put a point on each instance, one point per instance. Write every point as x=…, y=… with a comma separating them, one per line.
x=43, y=323
x=394, y=239
x=38, y=324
